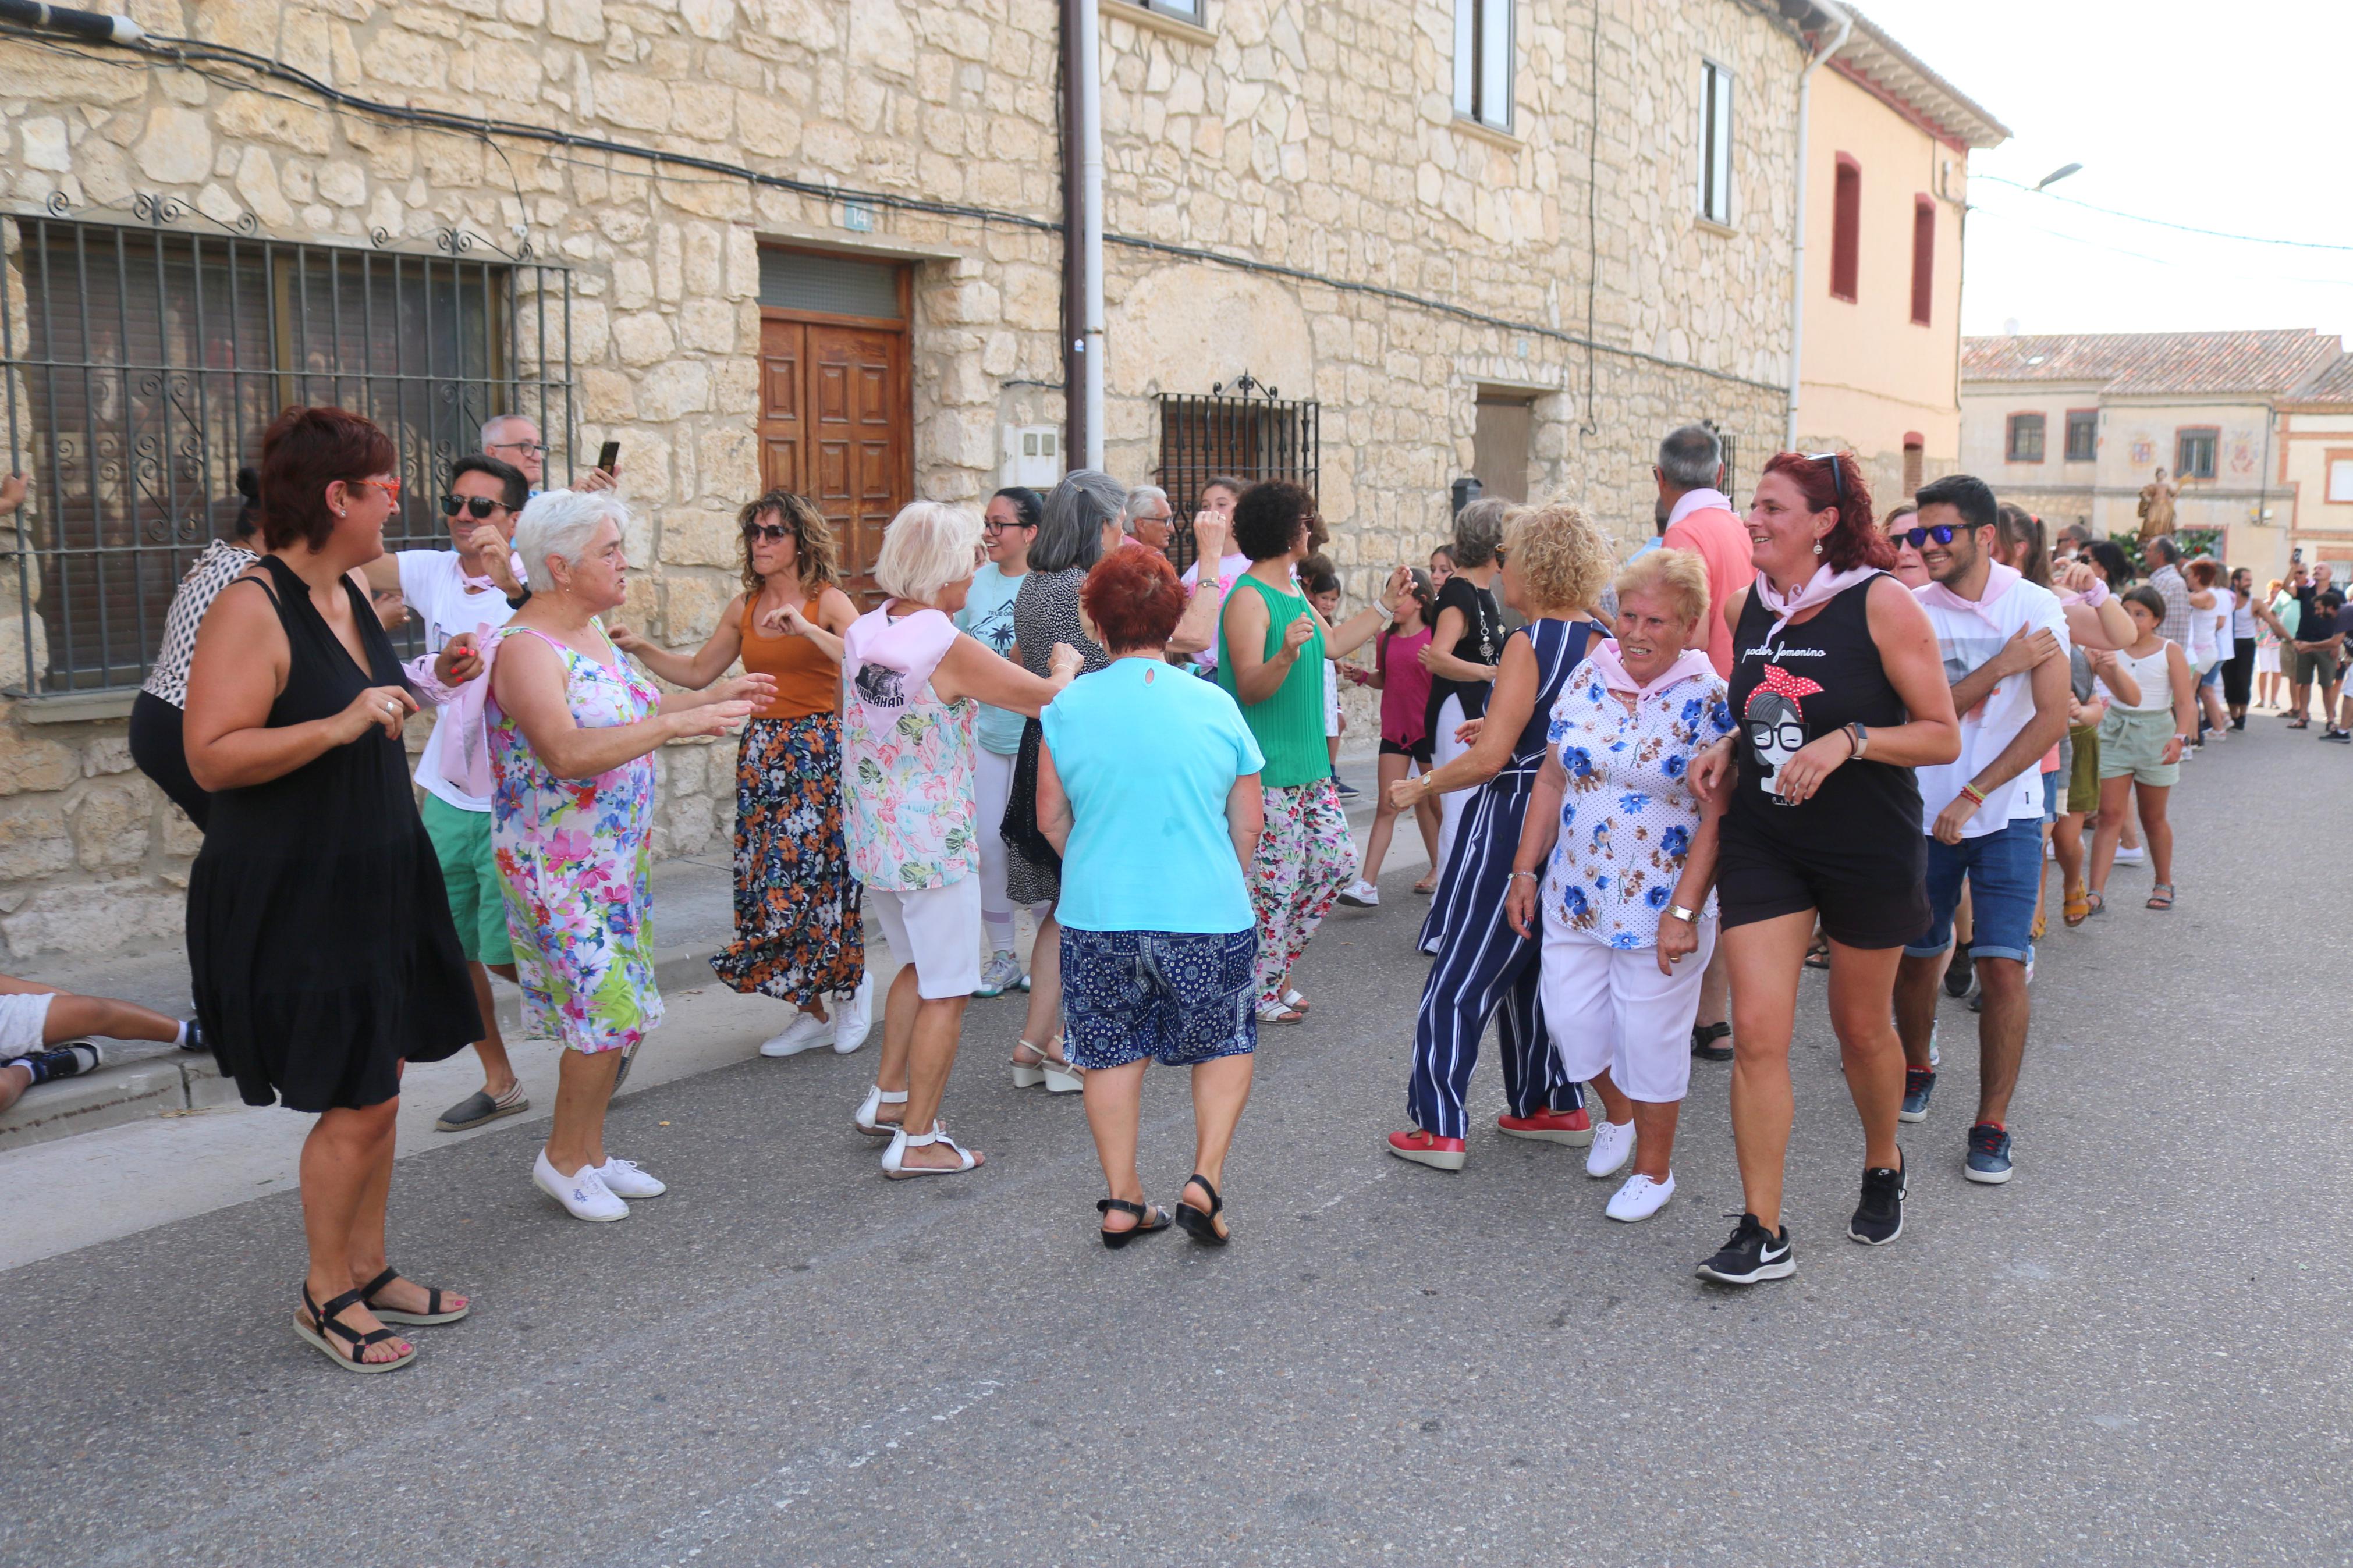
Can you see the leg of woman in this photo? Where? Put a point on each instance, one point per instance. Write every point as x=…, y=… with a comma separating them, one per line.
x=2115, y=801
x=1426, y=818
x=939, y=1023
x=583, y=1087
x=1115, y=1098
x=1614, y=1104
x=1221, y=1088
x=1655, y=1013
x=1042, y=1025
x=898, y=1036
x=993, y=777
x=1327, y=863
x=2067, y=838
x=1863, y=992
x=1276, y=870
x=71, y=1017
x=339, y=1162
x=16, y=1077
x=1391, y=769
x=1766, y=957
x=2156, y=830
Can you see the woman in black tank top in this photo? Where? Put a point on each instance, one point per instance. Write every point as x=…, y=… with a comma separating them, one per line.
x=1840, y=694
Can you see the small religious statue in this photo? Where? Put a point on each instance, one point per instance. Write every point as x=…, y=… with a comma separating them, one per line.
x=2157, y=506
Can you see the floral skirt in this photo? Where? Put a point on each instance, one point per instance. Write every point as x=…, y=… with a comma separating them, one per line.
x=799, y=934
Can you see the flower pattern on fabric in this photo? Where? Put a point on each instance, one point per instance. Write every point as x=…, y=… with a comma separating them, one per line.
x=1305, y=858
x=908, y=773
x=799, y=934
x=575, y=859
x=1627, y=821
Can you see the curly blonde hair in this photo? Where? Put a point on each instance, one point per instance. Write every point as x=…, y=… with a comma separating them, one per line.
x=1559, y=556
x=1679, y=576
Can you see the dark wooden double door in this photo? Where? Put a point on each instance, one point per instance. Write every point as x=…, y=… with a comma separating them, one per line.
x=836, y=425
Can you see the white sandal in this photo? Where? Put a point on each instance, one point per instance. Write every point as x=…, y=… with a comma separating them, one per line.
x=875, y=1100
x=894, y=1158
x=1063, y=1075
x=1030, y=1074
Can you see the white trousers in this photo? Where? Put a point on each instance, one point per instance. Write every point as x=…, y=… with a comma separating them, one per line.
x=937, y=929
x=1443, y=749
x=1609, y=1007
x=993, y=780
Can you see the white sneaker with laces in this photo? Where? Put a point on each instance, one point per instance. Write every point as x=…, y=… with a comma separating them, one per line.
x=2132, y=855
x=1613, y=1145
x=807, y=1029
x=852, y=1019
x=583, y=1193
x=1361, y=894
x=1001, y=974
x=624, y=1179
x=1641, y=1197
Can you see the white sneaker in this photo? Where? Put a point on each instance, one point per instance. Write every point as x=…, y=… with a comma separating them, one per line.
x=623, y=1179
x=1362, y=894
x=2130, y=854
x=1613, y=1145
x=1935, y=1056
x=807, y=1029
x=583, y=1193
x=1641, y=1197
x=852, y=1019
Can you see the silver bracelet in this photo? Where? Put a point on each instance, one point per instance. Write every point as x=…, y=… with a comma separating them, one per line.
x=1530, y=876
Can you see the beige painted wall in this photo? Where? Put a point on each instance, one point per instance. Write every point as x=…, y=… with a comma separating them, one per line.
x=2308, y=442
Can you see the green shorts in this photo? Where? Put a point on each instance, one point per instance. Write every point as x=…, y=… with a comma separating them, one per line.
x=2134, y=743
x=2084, y=777
x=462, y=842
x=2314, y=669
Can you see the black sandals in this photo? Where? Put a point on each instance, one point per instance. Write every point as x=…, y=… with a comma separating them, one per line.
x=1202, y=1226
x=1149, y=1217
x=323, y=1323
x=433, y=1317
x=1703, y=1045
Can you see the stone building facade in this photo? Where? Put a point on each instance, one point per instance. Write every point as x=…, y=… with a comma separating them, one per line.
x=762, y=241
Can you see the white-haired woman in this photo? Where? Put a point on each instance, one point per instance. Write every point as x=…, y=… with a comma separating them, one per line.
x=571, y=732
x=911, y=685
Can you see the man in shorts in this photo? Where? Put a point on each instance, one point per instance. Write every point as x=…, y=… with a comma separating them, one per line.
x=41, y=1030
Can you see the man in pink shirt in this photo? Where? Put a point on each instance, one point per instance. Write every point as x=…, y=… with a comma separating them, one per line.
x=1700, y=519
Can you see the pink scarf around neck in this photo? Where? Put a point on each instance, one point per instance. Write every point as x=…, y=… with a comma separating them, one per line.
x=1614, y=675
x=1825, y=585
x=1998, y=581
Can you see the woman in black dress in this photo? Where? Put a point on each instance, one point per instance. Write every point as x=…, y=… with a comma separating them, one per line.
x=320, y=941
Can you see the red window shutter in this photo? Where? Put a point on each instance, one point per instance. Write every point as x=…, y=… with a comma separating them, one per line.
x=1924, y=258
x=1846, y=228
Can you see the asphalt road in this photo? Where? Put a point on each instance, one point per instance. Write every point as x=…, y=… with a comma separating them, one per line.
x=2136, y=1352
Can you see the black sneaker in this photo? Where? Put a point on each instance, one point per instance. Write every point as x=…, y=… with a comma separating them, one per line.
x=1753, y=1254
x=196, y=1040
x=1959, y=973
x=1919, y=1083
x=2336, y=734
x=53, y=1062
x=1879, y=1217
x=1703, y=1045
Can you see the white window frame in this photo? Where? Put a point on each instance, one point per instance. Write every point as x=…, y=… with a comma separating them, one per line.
x=1191, y=11
x=2340, y=479
x=1716, y=184
x=1486, y=61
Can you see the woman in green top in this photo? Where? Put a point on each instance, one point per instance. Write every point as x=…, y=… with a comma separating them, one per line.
x=1272, y=645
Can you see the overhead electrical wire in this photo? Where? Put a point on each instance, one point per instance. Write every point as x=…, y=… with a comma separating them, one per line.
x=2160, y=222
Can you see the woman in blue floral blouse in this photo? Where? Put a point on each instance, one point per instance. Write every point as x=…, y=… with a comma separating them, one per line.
x=1625, y=853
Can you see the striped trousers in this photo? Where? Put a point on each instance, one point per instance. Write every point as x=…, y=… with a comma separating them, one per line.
x=1482, y=970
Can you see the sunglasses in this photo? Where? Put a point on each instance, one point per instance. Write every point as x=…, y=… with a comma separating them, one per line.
x=1838, y=479
x=391, y=488
x=774, y=532
x=1920, y=536
x=476, y=507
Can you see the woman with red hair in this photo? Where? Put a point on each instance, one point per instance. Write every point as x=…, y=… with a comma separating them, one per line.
x=1148, y=788
x=1839, y=692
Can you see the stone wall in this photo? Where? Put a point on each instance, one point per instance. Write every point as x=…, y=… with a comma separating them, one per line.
x=1316, y=137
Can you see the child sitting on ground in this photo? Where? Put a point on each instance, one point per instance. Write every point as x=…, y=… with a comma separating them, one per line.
x=41, y=1030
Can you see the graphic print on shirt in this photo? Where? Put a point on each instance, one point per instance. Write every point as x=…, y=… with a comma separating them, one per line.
x=1776, y=721
x=881, y=686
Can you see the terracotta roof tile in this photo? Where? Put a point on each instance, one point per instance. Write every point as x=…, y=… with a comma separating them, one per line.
x=2333, y=384
x=2146, y=363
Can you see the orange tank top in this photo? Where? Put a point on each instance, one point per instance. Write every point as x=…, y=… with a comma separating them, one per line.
x=807, y=681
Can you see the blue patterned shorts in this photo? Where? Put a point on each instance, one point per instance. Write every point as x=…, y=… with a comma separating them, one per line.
x=1179, y=997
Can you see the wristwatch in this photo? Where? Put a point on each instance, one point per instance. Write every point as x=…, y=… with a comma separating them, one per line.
x=1689, y=917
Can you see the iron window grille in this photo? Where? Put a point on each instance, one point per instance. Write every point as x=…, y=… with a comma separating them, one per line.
x=2194, y=453
x=2083, y=434
x=1250, y=433
x=2025, y=444
x=141, y=363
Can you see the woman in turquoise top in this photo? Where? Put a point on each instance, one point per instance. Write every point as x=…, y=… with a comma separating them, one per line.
x=1148, y=787
x=1272, y=645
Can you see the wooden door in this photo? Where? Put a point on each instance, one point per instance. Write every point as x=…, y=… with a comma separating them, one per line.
x=836, y=425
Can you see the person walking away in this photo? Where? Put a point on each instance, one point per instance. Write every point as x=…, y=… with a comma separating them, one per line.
x=1624, y=855
x=1555, y=562
x=1159, y=941
x=1839, y=695
x=158, y=746
x=799, y=937
x=1008, y=526
x=2148, y=687
x=912, y=685
x=320, y=952
x=1404, y=684
x=567, y=730
x=1982, y=813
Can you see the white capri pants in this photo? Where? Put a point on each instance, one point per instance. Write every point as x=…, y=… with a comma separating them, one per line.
x=993, y=781
x=937, y=929
x=1443, y=749
x=1611, y=1008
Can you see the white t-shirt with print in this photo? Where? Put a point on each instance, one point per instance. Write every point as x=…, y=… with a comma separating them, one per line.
x=1966, y=639
x=432, y=581
x=1230, y=567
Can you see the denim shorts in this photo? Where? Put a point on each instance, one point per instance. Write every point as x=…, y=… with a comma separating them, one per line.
x=1179, y=997
x=2004, y=869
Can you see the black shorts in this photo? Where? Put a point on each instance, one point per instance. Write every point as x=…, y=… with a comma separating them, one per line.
x=1418, y=750
x=1868, y=899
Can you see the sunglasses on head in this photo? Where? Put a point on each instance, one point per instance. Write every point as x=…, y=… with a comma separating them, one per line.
x=476, y=507
x=774, y=532
x=1838, y=479
x=1941, y=533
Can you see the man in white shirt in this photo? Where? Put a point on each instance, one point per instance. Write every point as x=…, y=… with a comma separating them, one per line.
x=2004, y=642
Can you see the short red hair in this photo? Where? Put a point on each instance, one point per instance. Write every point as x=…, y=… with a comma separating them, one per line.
x=1834, y=481
x=305, y=450
x=1134, y=598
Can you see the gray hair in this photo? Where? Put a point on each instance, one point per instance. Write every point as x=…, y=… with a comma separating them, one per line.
x=1692, y=458
x=1479, y=532
x=560, y=523
x=1072, y=534
x=491, y=425
x=2163, y=545
x=927, y=546
x=1139, y=497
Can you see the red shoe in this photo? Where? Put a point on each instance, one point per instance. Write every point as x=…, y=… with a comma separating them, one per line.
x=1438, y=1154
x=1570, y=1127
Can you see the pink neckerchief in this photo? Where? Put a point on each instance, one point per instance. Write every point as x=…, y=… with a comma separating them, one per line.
x=1824, y=586
x=1612, y=671
x=487, y=585
x=1998, y=582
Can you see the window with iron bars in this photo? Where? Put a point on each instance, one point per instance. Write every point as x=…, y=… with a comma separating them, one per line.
x=141, y=365
x=1250, y=434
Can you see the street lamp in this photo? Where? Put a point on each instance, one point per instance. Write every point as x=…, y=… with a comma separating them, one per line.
x=2057, y=175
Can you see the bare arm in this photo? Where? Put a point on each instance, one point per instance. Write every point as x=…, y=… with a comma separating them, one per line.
x=2116, y=677
x=1539, y=829
x=2185, y=692
x=1509, y=708
x=1257, y=676
x=2033, y=742
x=1361, y=628
x=238, y=670
x=972, y=669
x=1053, y=806
x=2025, y=650
x=694, y=671
x=528, y=682
x=1196, y=629
x=1438, y=657
x=2107, y=626
x=1245, y=816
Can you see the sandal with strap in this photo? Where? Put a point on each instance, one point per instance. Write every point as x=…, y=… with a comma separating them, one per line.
x=876, y=1099
x=324, y=1322
x=1703, y=1045
x=2078, y=907
x=1031, y=1073
x=434, y=1315
x=2160, y=897
x=1202, y=1224
x=1279, y=1013
x=894, y=1163
x=1149, y=1217
x=1063, y=1076
x=1296, y=1003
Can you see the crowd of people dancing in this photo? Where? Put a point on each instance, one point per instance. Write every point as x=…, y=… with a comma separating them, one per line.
x=1652, y=793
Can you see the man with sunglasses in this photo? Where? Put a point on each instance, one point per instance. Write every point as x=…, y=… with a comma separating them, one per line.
x=2004, y=642
x=456, y=593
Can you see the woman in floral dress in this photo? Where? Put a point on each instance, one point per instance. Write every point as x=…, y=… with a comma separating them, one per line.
x=1625, y=856
x=571, y=732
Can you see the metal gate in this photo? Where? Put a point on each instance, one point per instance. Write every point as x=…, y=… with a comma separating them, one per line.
x=141, y=363
x=1250, y=434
